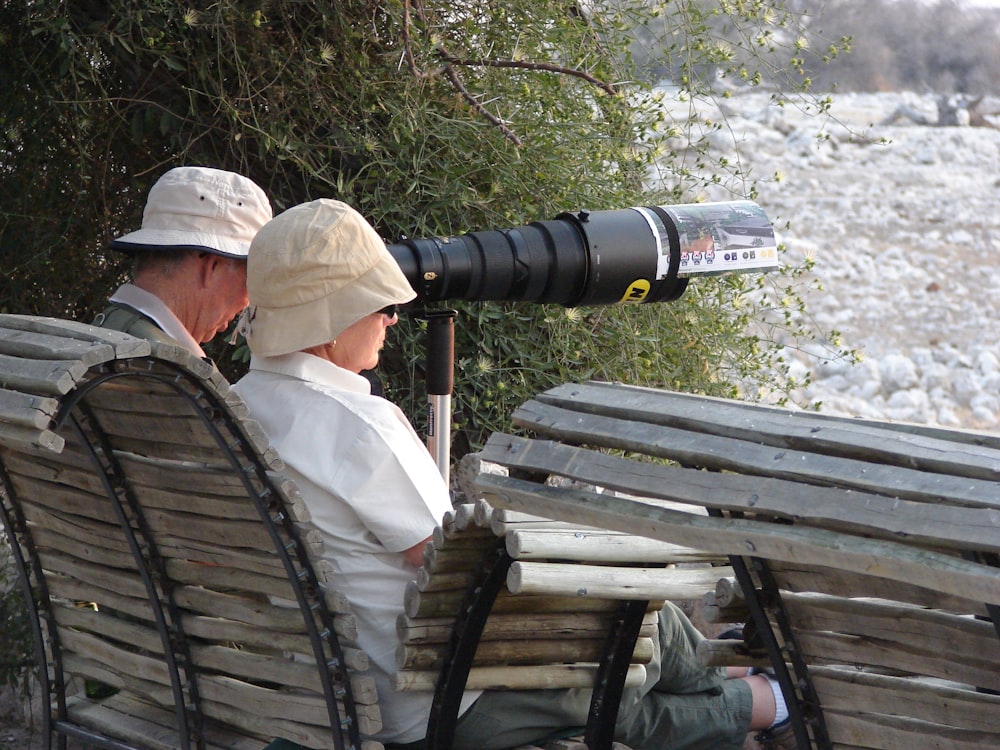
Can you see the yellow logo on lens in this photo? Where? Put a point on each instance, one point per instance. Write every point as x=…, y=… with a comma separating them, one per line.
x=636, y=291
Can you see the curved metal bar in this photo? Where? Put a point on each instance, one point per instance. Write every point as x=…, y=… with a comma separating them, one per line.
x=610, y=682
x=803, y=711
x=462, y=644
x=37, y=601
x=288, y=545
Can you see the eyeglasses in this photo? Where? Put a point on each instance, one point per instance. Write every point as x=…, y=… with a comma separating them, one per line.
x=390, y=311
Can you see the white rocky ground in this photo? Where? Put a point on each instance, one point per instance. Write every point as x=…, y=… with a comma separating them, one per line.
x=905, y=238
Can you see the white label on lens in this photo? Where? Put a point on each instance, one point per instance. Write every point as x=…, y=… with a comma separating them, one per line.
x=662, y=239
x=717, y=238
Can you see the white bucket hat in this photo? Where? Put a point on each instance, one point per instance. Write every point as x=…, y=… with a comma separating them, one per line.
x=314, y=270
x=199, y=208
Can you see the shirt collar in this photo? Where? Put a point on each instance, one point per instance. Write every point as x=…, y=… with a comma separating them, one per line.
x=154, y=308
x=312, y=369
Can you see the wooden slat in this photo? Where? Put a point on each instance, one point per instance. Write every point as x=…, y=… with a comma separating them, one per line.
x=134, y=719
x=33, y=345
x=917, y=630
x=27, y=438
x=798, y=576
x=518, y=678
x=936, y=450
x=438, y=603
x=606, y=582
x=510, y=627
x=940, y=703
x=725, y=453
x=521, y=652
x=596, y=546
x=123, y=344
x=894, y=733
x=48, y=499
x=930, y=519
x=789, y=543
x=25, y=409
x=835, y=648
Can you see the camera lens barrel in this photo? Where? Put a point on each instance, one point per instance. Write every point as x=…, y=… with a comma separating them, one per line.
x=643, y=254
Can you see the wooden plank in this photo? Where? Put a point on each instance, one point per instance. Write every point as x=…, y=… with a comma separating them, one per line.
x=888, y=442
x=35, y=345
x=116, y=659
x=72, y=590
x=214, y=476
x=518, y=678
x=223, y=630
x=894, y=733
x=26, y=438
x=799, y=577
x=851, y=650
x=932, y=516
x=607, y=582
x=135, y=719
x=251, y=611
x=25, y=409
x=744, y=456
x=559, y=651
x=264, y=562
x=125, y=583
x=443, y=602
x=199, y=528
x=72, y=546
x=123, y=725
x=915, y=629
x=69, y=468
x=110, y=627
x=43, y=500
x=140, y=395
x=123, y=344
x=596, y=546
x=851, y=691
x=40, y=376
x=745, y=537
x=501, y=627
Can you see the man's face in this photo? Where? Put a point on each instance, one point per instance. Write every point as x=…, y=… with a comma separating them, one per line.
x=224, y=295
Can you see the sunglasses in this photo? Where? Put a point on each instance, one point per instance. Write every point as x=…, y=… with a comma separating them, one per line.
x=390, y=311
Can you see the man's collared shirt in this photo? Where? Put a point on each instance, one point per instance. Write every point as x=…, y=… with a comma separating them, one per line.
x=154, y=308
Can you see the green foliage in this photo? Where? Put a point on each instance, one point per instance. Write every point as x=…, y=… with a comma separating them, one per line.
x=430, y=120
x=15, y=630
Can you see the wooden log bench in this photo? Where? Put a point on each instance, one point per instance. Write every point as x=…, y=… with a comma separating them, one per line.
x=866, y=555
x=178, y=591
x=542, y=604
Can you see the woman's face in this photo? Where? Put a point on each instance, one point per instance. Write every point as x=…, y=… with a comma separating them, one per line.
x=357, y=347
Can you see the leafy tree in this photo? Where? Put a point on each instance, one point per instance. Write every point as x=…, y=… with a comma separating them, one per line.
x=429, y=119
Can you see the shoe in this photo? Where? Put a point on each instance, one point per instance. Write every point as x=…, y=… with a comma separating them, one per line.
x=778, y=737
x=733, y=634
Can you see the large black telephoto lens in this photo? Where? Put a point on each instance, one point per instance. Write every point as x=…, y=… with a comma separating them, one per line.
x=643, y=254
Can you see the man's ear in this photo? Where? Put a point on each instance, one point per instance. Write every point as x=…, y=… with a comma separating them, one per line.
x=208, y=264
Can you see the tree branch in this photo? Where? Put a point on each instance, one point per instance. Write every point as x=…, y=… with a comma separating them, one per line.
x=476, y=105
x=529, y=66
x=451, y=61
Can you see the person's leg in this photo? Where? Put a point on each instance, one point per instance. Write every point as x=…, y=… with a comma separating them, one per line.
x=683, y=704
x=502, y=719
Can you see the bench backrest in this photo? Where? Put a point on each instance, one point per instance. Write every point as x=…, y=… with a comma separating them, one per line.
x=868, y=553
x=166, y=559
x=179, y=593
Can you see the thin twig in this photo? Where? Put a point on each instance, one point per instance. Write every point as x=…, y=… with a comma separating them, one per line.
x=529, y=66
x=474, y=103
